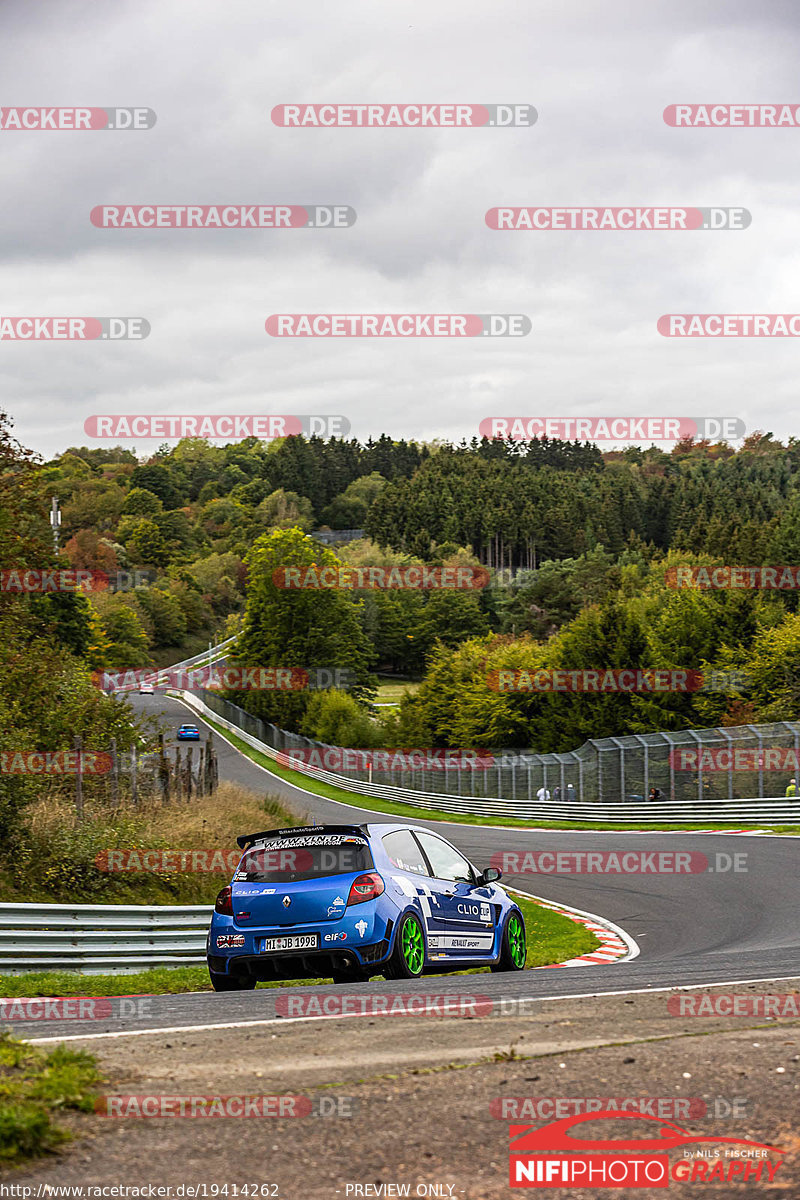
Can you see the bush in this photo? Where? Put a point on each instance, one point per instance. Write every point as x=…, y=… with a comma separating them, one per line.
x=337, y=719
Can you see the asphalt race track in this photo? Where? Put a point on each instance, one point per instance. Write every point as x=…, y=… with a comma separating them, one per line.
x=692, y=930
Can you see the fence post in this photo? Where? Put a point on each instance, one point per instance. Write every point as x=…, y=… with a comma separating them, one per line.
x=188, y=773
x=211, y=777
x=134, y=781
x=730, y=763
x=114, y=774
x=178, y=780
x=163, y=770
x=754, y=729
x=621, y=749
x=698, y=743
x=78, y=744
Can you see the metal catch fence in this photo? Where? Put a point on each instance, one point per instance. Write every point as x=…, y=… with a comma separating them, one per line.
x=731, y=774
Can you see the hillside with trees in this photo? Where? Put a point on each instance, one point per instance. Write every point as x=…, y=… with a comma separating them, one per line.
x=577, y=542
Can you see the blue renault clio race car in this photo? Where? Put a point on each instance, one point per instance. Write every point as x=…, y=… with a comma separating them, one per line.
x=351, y=901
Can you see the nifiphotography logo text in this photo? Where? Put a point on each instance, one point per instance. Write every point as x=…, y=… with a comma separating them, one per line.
x=557, y=1155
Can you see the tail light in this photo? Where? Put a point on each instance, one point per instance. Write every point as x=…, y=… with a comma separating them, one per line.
x=366, y=887
x=224, y=902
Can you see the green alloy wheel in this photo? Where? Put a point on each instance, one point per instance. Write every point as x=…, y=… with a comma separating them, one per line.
x=408, y=956
x=514, y=948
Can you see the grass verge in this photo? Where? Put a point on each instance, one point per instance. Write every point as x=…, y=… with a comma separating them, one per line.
x=552, y=938
x=34, y=1087
x=410, y=811
x=391, y=691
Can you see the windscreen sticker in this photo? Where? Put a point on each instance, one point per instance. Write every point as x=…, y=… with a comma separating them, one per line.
x=326, y=839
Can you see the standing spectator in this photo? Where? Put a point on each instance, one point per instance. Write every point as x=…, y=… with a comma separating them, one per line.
x=655, y=793
x=570, y=791
x=556, y=793
x=543, y=793
x=792, y=788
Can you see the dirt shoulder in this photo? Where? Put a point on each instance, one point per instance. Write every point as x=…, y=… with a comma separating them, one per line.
x=419, y=1101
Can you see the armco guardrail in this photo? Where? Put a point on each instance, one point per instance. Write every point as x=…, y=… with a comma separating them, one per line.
x=100, y=939
x=776, y=810
x=204, y=658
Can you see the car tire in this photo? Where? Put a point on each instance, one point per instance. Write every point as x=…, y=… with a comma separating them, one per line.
x=407, y=960
x=513, y=946
x=232, y=983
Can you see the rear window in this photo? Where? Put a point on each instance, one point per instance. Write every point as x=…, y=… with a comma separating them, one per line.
x=286, y=860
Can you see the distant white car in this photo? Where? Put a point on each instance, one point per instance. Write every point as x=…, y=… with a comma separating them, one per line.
x=146, y=689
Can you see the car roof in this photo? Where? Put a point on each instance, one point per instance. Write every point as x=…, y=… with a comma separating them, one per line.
x=368, y=829
x=382, y=827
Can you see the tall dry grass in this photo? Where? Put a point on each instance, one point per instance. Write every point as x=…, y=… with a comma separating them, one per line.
x=55, y=857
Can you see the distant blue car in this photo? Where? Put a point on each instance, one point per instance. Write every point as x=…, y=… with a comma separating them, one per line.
x=351, y=901
x=188, y=733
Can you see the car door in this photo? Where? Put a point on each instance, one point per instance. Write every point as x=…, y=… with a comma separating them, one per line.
x=462, y=918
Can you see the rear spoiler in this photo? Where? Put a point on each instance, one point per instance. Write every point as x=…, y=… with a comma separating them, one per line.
x=248, y=839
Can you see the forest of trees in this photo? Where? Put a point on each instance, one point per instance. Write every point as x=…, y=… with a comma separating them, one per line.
x=577, y=541
x=47, y=643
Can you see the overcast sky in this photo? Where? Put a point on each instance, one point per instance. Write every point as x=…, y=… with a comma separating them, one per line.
x=599, y=75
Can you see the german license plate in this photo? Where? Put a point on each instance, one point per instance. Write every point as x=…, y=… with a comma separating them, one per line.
x=291, y=941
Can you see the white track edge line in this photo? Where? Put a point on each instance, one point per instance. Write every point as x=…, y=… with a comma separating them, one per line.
x=675, y=987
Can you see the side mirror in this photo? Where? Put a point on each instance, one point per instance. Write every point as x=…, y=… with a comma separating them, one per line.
x=490, y=875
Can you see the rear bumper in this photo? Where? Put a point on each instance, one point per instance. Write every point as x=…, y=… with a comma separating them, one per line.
x=358, y=939
x=310, y=964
